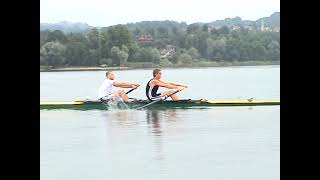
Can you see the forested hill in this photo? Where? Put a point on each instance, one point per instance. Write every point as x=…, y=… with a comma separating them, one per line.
x=272, y=21
x=163, y=43
x=66, y=27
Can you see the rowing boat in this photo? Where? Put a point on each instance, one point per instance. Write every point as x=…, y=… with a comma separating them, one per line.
x=186, y=103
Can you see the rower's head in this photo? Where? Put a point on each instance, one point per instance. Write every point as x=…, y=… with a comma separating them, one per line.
x=157, y=73
x=110, y=75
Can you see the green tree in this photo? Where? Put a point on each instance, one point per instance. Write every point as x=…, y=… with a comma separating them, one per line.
x=104, y=38
x=93, y=57
x=149, y=55
x=218, y=56
x=232, y=50
x=185, y=59
x=155, y=55
x=150, y=31
x=162, y=32
x=216, y=48
x=191, y=41
x=175, y=31
x=133, y=52
x=193, y=28
x=224, y=30
x=136, y=32
x=119, y=35
x=244, y=31
x=106, y=61
x=193, y=52
x=52, y=53
x=114, y=55
x=243, y=50
x=258, y=52
x=56, y=35
x=93, y=38
x=104, y=51
x=76, y=53
x=44, y=37
x=205, y=28
x=123, y=57
x=77, y=37
x=212, y=48
x=143, y=55
x=174, y=59
x=214, y=32
x=203, y=46
x=273, y=51
x=165, y=62
x=125, y=48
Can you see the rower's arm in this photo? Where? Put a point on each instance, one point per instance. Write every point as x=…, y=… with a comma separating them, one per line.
x=178, y=84
x=124, y=84
x=166, y=85
x=174, y=84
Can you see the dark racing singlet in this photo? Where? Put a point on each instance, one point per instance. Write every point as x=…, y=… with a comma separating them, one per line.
x=151, y=93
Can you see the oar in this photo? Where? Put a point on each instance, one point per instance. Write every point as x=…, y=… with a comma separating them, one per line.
x=131, y=90
x=158, y=100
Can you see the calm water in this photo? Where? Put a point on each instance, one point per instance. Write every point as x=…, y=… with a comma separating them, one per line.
x=224, y=143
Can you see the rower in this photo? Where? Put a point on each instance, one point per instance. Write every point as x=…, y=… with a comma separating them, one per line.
x=107, y=88
x=155, y=83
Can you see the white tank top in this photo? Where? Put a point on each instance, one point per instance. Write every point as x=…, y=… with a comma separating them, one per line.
x=106, y=88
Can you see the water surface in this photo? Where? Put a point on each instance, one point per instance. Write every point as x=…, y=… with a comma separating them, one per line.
x=224, y=143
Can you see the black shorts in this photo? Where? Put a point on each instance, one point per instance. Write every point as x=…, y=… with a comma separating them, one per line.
x=155, y=94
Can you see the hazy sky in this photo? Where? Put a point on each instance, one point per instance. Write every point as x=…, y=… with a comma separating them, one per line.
x=111, y=12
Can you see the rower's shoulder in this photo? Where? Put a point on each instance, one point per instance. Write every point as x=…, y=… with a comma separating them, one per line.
x=153, y=80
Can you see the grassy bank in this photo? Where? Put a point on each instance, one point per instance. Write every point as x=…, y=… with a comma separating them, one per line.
x=152, y=65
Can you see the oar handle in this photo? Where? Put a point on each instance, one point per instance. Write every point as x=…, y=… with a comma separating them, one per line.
x=132, y=89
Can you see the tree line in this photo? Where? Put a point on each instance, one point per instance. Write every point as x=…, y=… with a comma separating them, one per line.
x=118, y=46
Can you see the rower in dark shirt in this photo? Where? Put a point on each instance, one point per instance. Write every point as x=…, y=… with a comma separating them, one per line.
x=154, y=84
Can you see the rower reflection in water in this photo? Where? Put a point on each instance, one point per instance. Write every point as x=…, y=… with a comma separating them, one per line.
x=154, y=84
x=153, y=119
x=162, y=124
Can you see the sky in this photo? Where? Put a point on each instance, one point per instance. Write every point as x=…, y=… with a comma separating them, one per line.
x=103, y=13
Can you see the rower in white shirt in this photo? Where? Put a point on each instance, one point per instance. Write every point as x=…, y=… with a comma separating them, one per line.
x=107, y=89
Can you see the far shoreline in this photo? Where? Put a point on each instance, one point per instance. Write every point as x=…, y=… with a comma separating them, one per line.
x=175, y=66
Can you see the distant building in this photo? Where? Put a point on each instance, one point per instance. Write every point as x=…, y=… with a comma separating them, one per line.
x=265, y=28
x=217, y=27
x=212, y=28
x=144, y=38
x=235, y=28
x=276, y=29
x=262, y=26
x=168, y=51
